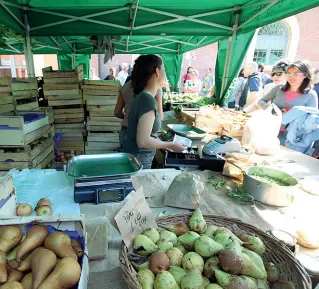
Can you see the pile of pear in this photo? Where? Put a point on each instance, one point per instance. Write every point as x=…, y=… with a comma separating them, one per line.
x=201, y=256
x=39, y=259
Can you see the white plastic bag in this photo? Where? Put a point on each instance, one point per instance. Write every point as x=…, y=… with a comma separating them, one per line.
x=262, y=129
x=184, y=192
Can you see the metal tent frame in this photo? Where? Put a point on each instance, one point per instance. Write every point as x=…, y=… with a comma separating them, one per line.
x=128, y=47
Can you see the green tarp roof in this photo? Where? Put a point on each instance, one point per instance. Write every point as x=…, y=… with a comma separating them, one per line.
x=142, y=21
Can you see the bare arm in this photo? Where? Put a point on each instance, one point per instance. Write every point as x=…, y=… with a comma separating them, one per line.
x=143, y=135
x=159, y=100
x=253, y=97
x=118, y=110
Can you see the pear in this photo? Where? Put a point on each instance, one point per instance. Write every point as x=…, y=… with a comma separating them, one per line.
x=144, y=246
x=178, y=229
x=283, y=285
x=188, y=239
x=211, y=229
x=257, y=261
x=272, y=272
x=205, y=282
x=197, y=223
x=175, y=256
x=169, y=236
x=253, y=243
x=146, y=278
x=178, y=273
x=165, y=280
x=178, y=245
x=223, y=230
x=251, y=269
x=210, y=265
x=141, y=266
x=193, y=280
x=213, y=286
x=223, y=239
x=192, y=261
x=152, y=234
x=231, y=261
x=251, y=282
x=164, y=244
x=207, y=247
x=229, y=281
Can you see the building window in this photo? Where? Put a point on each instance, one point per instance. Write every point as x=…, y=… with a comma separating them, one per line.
x=271, y=44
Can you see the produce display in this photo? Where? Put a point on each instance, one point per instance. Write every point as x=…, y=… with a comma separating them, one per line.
x=202, y=256
x=43, y=208
x=64, y=157
x=193, y=99
x=42, y=260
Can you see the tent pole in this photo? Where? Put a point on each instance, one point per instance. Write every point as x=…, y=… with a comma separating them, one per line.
x=231, y=43
x=73, y=55
x=27, y=48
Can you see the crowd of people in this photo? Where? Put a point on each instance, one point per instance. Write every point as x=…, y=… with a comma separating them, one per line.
x=191, y=82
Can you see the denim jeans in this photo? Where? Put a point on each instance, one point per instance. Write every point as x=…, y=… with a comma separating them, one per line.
x=122, y=137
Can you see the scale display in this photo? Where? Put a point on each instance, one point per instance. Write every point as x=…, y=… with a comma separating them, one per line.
x=110, y=196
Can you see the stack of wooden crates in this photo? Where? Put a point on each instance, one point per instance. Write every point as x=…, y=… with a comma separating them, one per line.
x=7, y=106
x=62, y=89
x=103, y=128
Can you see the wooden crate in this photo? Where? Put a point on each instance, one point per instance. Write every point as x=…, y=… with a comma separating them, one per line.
x=103, y=83
x=15, y=132
x=72, y=224
x=30, y=156
x=103, y=128
x=24, y=86
x=101, y=109
x=65, y=102
x=6, y=99
x=27, y=104
x=47, y=111
x=63, y=80
x=62, y=92
x=100, y=146
x=98, y=100
x=8, y=198
x=76, y=73
x=5, y=109
x=60, y=86
x=103, y=137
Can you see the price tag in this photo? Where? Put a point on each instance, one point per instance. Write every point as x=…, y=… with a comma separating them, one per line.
x=134, y=217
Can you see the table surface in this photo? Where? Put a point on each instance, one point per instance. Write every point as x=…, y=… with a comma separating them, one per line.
x=292, y=162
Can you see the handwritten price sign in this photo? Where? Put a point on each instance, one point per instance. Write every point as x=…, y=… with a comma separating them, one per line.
x=134, y=217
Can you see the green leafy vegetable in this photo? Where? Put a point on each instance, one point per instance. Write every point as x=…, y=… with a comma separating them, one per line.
x=216, y=184
x=269, y=180
x=239, y=193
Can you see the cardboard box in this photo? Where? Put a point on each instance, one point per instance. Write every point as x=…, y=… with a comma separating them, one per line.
x=8, y=199
x=62, y=223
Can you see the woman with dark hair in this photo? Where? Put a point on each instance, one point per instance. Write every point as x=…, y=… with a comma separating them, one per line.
x=295, y=92
x=187, y=76
x=143, y=120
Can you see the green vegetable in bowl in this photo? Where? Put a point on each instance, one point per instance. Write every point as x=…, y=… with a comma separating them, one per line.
x=270, y=181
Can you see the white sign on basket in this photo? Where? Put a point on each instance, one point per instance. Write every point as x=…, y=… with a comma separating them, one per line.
x=134, y=217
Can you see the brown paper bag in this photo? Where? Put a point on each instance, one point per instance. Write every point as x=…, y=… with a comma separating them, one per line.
x=241, y=160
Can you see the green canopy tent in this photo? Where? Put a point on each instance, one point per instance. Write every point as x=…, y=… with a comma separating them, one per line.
x=148, y=26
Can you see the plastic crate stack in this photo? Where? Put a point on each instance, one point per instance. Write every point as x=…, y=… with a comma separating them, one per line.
x=27, y=140
x=25, y=93
x=7, y=106
x=103, y=128
x=62, y=90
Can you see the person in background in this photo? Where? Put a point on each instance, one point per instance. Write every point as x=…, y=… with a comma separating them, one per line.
x=265, y=78
x=208, y=83
x=187, y=76
x=278, y=75
x=295, y=92
x=253, y=87
x=143, y=121
x=123, y=74
x=93, y=74
x=193, y=85
x=237, y=91
x=123, y=105
x=112, y=74
x=316, y=81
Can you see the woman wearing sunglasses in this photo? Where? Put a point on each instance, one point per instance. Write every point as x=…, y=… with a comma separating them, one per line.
x=295, y=92
x=278, y=75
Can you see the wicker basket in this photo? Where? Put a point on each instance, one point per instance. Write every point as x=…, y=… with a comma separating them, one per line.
x=291, y=269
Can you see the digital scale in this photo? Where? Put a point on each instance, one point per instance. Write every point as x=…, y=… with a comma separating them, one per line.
x=102, y=178
x=222, y=145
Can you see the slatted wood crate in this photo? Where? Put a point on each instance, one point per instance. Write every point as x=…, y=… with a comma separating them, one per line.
x=25, y=93
x=7, y=104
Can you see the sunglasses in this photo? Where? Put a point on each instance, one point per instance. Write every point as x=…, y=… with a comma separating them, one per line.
x=277, y=73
